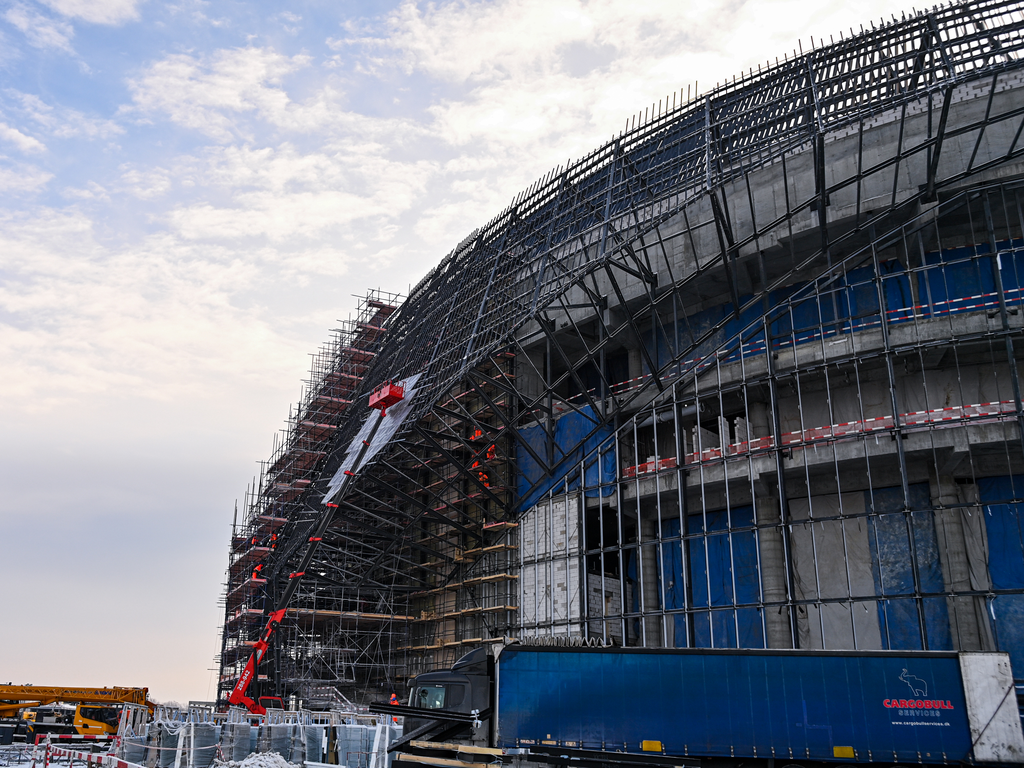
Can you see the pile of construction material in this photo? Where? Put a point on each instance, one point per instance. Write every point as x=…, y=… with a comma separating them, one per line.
x=200, y=738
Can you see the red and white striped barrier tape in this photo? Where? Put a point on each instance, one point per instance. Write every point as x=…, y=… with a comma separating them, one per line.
x=981, y=413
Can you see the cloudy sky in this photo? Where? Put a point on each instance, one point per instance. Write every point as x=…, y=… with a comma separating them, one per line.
x=190, y=194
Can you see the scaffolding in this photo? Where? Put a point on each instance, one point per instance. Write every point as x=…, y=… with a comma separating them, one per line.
x=745, y=376
x=331, y=634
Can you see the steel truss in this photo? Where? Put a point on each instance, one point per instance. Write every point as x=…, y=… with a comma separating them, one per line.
x=750, y=314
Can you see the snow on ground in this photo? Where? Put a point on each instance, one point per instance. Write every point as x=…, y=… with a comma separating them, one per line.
x=21, y=755
x=257, y=760
x=16, y=754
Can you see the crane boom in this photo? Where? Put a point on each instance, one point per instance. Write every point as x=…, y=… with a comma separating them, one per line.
x=24, y=696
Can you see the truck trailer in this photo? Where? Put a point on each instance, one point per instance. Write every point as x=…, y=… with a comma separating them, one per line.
x=700, y=707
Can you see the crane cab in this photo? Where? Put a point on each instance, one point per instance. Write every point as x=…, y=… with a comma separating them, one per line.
x=97, y=719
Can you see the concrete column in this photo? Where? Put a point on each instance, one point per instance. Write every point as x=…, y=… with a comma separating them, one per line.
x=529, y=379
x=757, y=419
x=651, y=583
x=773, y=572
x=636, y=362
x=963, y=552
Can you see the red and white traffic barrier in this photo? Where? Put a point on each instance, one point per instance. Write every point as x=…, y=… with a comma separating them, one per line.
x=89, y=759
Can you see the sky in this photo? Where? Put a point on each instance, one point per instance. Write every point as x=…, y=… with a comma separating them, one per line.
x=192, y=194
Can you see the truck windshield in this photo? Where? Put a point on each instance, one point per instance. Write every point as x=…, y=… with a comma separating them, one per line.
x=430, y=697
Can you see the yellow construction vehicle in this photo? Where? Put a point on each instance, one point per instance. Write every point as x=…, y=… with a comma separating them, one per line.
x=97, y=713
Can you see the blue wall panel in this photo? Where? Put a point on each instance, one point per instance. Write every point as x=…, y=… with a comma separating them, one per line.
x=571, y=446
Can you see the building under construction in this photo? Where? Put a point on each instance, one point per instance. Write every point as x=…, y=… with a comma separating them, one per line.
x=745, y=376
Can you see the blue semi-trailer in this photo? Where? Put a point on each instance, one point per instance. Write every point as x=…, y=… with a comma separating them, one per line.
x=720, y=707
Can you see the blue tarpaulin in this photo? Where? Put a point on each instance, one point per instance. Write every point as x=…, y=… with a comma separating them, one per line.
x=955, y=280
x=954, y=274
x=571, y=448
x=1003, y=523
x=724, y=572
x=675, y=582
x=893, y=569
x=962, y=279
x=850, y=302
x=847, y=303
x=724, y=576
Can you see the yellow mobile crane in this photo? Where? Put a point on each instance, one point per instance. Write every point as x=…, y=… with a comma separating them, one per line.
x=97, y=713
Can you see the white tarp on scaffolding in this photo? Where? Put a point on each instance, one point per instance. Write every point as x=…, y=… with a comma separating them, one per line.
x=392, y=421
x=832, y=560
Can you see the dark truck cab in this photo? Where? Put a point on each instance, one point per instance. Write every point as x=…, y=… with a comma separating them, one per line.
x=463, y=689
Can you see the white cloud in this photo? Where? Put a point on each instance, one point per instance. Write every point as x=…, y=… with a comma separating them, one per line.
x=319, y=261
x=289, y=22
x=156, y=318
x=8, y=50
x=527, y=84
x=282, y=193
x=209, y=94
x=20, y=140
x=97, y=11
x=23, y=178
x=475, y=42
x=277, y=217
x=39, y=30
x=463, y=41
x=145, y=184
x=91, y=191
x=63, y=122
